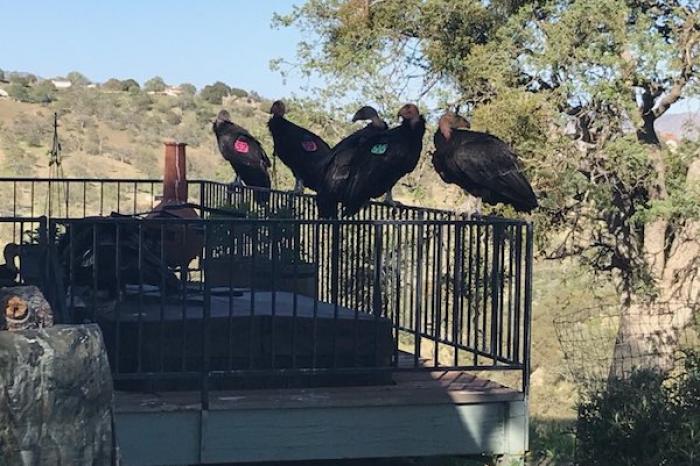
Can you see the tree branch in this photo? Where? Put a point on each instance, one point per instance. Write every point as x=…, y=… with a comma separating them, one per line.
x=688, y=40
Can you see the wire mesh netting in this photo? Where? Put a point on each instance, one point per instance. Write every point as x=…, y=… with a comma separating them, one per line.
x=604, y=341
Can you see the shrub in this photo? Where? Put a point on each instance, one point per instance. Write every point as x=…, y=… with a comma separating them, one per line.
x=648, y=419
x=214, y=93
x=77, y=78
x=238, y=92
x=155, y=84
x=43, y=92
x=18, y=91
x=188, y=89
x=113, y=84
x=130, y=85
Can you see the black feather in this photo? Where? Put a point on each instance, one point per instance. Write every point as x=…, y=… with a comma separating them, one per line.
x=484, y=166
x=305, y=153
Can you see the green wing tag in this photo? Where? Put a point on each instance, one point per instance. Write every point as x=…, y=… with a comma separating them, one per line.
x=379, y=149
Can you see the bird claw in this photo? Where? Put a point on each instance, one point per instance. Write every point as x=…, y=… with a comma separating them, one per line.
x=237, y=183
x=298, y=187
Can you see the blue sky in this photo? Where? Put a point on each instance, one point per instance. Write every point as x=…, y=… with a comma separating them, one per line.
x=196, y=41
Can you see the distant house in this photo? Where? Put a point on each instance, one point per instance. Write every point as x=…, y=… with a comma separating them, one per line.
x=61, y=83
x=172, y=91
x=92, y=86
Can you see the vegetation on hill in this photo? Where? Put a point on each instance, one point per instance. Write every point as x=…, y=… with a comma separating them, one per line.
x=126, y=123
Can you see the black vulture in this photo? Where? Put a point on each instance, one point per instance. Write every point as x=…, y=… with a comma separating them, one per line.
x=341, y=161
x=245, y=154
x=381, y=160
x=305, y=153
x=481, y=164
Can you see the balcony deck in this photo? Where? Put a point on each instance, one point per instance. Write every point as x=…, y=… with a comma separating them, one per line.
x=421, y=414
x=318, y=298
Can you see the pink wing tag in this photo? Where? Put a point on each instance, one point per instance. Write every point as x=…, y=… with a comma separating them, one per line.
x=309, y=146
x=241, y=146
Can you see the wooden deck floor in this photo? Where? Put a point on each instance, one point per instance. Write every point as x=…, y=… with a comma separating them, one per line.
x=423, y=413
x=415, y=388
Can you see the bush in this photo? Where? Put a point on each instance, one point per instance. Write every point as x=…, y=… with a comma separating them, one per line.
x=155, y=84
x=214, y=93
x=18, y=91
x=113, y=84
x=188, y=89
x=77, y=78
x=649, y=419
x=238, y=92
x=43, y=92
x=130, y=85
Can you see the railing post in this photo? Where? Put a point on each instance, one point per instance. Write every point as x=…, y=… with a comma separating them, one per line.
x=495, y=288
x=457, y=291
x=527, y=319
x=335, y=262
x=202, y=200
x=377, y=287
x=206, y=314
x=418, y=315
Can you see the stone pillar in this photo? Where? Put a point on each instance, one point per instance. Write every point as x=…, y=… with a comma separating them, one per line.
x=55, y=397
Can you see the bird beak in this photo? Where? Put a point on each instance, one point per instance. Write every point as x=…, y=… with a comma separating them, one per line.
x=359, y=115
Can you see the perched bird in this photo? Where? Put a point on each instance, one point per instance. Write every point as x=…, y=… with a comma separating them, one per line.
x=305, y=153
x=381, y=160
x=341, y=161
x=245, y=154
x=481, y=164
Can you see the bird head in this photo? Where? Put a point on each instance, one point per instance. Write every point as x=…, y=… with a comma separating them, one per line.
x=278, y=108
x=410, y=113
x=221, y=117
x=450, y=121
x=365, y=113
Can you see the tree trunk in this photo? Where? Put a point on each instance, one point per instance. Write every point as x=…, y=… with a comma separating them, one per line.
x=650, y=332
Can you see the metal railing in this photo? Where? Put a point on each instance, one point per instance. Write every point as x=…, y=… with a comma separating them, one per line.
x=281, y=293
x=84, y=197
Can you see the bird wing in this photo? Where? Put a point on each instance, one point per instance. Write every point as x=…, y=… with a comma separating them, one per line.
x=488, y=167
x=304, y=152
x=345, y=155
x=245, y=154
x=380, y=162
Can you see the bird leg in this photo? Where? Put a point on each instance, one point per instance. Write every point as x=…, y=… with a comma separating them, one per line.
x=477, y=209
x=389, y=199
x=237, y=182
x=299, y=186
x=472, y=202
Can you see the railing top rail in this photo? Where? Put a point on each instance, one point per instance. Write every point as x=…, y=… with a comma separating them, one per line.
x=307, y=197
x=9, y=219
x=288, y=221
x=85, y=180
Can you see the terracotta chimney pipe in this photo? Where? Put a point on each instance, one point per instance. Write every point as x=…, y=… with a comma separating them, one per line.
x=175, y=176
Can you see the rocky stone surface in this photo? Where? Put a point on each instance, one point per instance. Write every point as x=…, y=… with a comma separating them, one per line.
x=55, y=397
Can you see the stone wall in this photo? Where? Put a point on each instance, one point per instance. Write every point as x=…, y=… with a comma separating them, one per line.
x=55, y=397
